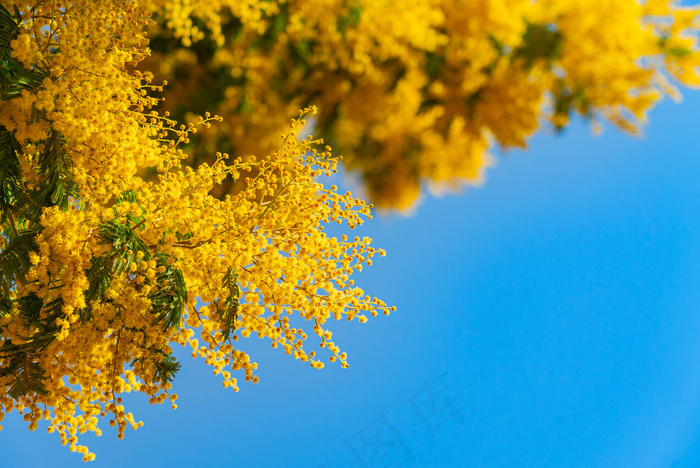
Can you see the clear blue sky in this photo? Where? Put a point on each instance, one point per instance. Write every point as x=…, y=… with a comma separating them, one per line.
x=550, y=318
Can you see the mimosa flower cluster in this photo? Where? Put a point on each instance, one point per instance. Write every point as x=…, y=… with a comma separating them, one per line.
x=414, y=93
x=103, y=272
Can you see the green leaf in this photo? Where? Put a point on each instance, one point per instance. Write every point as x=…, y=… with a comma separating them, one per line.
x=14, y=260
x=170, y=296
x=540, y=42
x=229, y=313
x=41, y=317
x=19, y=359
x=6, y=304
x=99, y=278
x=10, y=173
x=125, y=243
x=434, y=64
x=13, y=76
x=352, y=19
x=166, y=368
x=568, y=100
x=57, y=187
x=164, y=364
x=28, y=376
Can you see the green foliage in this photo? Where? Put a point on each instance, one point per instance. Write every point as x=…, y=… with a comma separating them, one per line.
x=5, y=305
x=13, y=76
x=168, y=302
x=167, y=368
x=14, y=259
x=567, y=100
x=125, y=243
x=127, y=249
x=540, y=42
x=99, y=278
x=678, y=52
x=10, y=171
x=57, y=186
x=28, y=375
x=164, y=364
x=228, y=313
x=351, y=19
x=19, y=359
x=434, y=64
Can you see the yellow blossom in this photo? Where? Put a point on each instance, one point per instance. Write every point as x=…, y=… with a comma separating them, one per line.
x=102, y=271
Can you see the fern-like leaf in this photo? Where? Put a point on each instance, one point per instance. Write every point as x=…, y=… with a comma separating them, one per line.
x=169, y=299
x=228, y=314
x=14, y=259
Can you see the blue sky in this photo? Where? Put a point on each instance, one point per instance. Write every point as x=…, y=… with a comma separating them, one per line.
x=550, y=318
